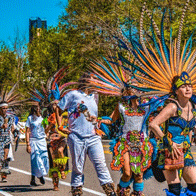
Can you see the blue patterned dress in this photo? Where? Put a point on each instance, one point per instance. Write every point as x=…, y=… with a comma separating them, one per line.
x=177, y=129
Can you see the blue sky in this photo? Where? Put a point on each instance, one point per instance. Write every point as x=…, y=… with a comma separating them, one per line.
x=15, y=14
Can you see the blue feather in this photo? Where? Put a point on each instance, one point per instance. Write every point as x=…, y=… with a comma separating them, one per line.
x=136, y=47
x=188, y=44
x=113, y=144
x=107, y=71
x=35, y=98
x=153, y=105
x=133, y=65
x=165, y=49
x=105, y=128
x=106, y=81
x=193, y=99
x=155, y=148
x=143, y=89
x=111, y=69
x=39, y=94
x=121, y=43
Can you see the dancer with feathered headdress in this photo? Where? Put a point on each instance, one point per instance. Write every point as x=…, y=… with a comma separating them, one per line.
x=11, y=99
x=132, y=151
x=47, y=101
x=169, y=71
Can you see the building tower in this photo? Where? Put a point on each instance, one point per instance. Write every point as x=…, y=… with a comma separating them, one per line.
x=35, y=26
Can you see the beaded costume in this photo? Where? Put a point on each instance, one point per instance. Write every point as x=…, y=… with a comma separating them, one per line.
x=134, y=141
x=109, y=77
x=177, y=129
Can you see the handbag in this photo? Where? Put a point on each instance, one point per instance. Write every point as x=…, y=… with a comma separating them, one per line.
x=173, y=164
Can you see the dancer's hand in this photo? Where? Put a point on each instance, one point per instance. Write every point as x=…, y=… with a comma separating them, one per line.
x=93, y=119
x=105, y=121
x=99, y=122
x=28, y=149
x=175, y=152
x=64, y=130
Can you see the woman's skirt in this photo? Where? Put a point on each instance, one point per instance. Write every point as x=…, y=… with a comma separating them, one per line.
x=140, y=152
x=39, y=157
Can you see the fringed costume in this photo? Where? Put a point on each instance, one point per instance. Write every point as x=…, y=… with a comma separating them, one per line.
x=133, y=141
x=114, y=80
x=58, y=149
x=57, y=139
x=157, y=65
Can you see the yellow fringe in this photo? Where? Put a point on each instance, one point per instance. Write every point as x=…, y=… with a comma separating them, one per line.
x=66, y=172
x=55, y=169
x=61, y=161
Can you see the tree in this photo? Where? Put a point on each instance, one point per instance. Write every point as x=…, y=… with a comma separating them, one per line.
x=8, y=65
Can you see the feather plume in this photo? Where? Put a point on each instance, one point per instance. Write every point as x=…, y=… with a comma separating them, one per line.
x=157, y=64
x=52, y=90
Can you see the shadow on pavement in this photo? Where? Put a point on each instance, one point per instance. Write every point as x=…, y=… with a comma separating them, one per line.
x=23, y=188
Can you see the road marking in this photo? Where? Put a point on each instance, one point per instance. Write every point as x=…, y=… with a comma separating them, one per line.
x=60, y=182
x=4, y=193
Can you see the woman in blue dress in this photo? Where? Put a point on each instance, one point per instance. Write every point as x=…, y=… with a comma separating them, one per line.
x=179, y=122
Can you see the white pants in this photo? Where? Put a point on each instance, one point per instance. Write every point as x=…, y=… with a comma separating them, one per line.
x=79, y=148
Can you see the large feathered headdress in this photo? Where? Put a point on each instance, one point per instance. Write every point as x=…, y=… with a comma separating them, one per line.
x=10, y=97
x=52, y=91
x=158, y=63
x=108, y=76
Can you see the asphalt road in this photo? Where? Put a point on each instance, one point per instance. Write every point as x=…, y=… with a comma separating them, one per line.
x=18, y=181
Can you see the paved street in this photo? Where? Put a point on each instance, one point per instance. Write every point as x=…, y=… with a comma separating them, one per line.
x=18, y=181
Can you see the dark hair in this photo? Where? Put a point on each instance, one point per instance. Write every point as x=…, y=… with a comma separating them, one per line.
x=50, y=109
x=175, y=79
x=33, y=109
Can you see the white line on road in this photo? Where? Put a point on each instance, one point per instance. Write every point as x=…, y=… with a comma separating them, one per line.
x=4, y=193
x=60, y=182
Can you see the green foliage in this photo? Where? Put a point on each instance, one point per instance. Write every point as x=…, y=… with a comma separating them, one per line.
x=8, y=65
x=24, y=116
